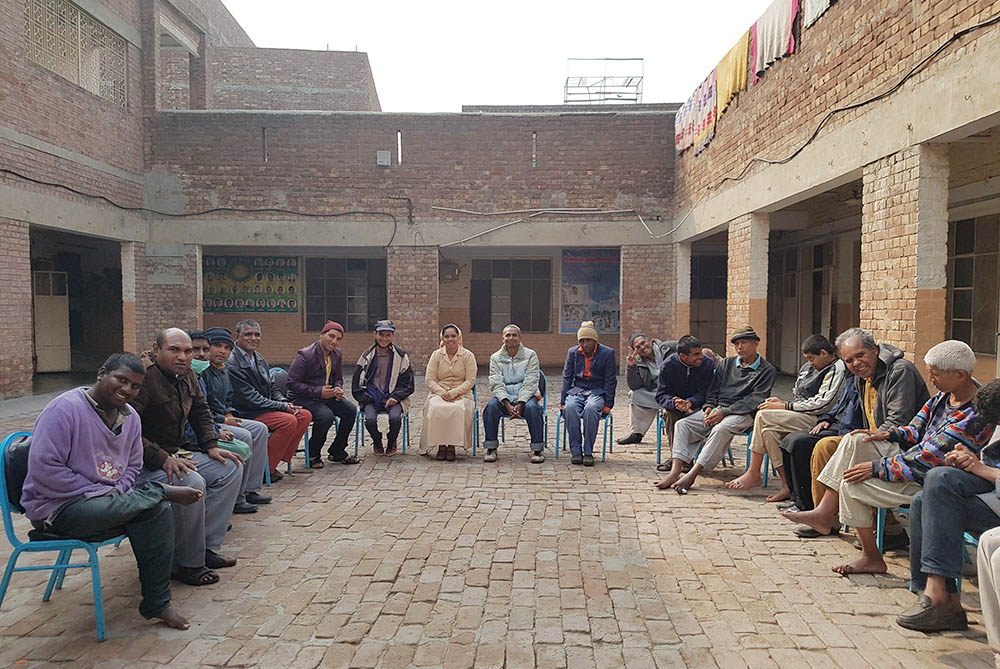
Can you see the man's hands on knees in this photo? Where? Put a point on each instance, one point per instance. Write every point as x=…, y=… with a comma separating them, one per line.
x=392, y=401
x=178, y=467
x=873, y=435
x=860, y=472
x=221, y=455
x=713, y=417
x=820, y=426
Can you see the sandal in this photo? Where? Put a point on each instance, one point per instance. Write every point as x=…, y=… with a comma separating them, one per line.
x=196, y=576
x=215, y=561
x=663, y=467
x=316, y=463
x=349, y=460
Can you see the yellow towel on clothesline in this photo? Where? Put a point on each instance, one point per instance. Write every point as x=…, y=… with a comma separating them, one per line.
x=731, y=73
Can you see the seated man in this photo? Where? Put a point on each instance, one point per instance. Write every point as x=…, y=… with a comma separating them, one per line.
x=816, y=389
x=738, y=387
x=254, y=396
x=215, y=383
x=871, y=471
x=170, y=398
x=642, y=371
x=988, y=567
x=893, y=390
x=85, y=455
x=316, y=379
x=383, y=381
x=682, y=384
x=588, y=392
x=514, y=384
x=844, y=418
x=960, y=498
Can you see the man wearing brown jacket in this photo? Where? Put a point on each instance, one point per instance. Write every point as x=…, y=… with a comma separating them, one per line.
x=170, y=398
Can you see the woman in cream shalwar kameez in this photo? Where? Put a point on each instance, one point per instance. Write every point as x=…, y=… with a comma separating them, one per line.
x=449, y=413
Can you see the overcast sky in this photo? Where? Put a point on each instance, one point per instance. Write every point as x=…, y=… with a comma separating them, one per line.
x=437, y=56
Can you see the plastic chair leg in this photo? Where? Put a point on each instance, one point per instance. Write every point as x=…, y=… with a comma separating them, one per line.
x=267, y=469
x=604, y=442
x=8, y=572
x=558, y=431
x=767, y=464
x=95, y=577
x=57, y=576
x=880, y=530
x=503, y=429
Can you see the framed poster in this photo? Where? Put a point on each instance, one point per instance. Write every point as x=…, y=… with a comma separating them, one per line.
x=254, y=284
x=590, y=290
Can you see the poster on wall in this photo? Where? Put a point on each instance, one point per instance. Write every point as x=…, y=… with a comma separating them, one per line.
x=590, y=290
x=256, y=284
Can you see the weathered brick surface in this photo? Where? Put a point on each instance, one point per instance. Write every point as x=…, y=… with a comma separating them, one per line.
x=413, y=300
x=164, y=305
x=15, y=309
x=746, y=302
x=648, y=292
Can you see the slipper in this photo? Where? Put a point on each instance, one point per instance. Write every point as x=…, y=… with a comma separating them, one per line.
x=196, y=576
x=316, y=463
x=349, y=460
x=806, y=532
x=215, y=561
x=663, y=467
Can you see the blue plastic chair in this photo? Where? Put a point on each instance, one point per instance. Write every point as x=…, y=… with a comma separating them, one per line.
x=609, y=433
x=880, y=518
x=64, y=547
x=542, y=385
x=359, y=429
x=767, y=459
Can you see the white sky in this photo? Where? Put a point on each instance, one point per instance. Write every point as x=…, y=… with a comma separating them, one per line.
x=437, y=56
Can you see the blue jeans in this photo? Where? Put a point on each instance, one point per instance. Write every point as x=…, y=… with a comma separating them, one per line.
x=590, y=408
x=532, y=416
x=937, y=532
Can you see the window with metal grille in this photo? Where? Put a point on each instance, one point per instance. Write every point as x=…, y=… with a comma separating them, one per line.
x=511, y=291
x=708, y=277
x=351, y=291
x=63, y=38
x=973, y=282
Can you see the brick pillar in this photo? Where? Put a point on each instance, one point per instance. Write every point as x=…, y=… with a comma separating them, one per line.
x=412, y=293
x=647, y=295
x=200, y=78
x=16, y=366
x=133, y=283
x=149, y=17
x=746, y=299
x=682, y=271
x=904, y=233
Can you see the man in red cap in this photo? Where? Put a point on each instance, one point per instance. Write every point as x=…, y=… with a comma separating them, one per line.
x=316, y=381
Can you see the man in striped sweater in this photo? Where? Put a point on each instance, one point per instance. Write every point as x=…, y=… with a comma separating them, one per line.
x=870, y=469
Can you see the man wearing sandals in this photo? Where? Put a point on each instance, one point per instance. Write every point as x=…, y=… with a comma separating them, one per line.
x=169, y=399
x=316, y=382
x=83, y=463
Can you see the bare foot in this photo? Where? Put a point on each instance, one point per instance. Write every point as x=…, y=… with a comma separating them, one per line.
x=863, y=565
x=780, y=496
x=183, y=495
x=684, y=483
x=173, y=619
x=750, y=479
x=818, y=522
x=668, y=481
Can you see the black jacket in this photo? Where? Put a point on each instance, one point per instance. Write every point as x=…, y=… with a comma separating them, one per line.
x=253, y=392
x=901, y=390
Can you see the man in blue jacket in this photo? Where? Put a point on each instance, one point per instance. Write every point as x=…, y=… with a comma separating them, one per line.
x=588, y=391
x=683, y=382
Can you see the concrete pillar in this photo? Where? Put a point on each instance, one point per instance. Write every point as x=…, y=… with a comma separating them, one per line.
x=844, y=276
x=133, y=283
x=16, y=365
x=682, y=272
x=412, y=292
x=746, y=298
x=200, y=78
x=161, y=287
x=904, y=251
x=647, y=292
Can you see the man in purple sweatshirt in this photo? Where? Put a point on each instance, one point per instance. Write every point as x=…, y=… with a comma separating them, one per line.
x=85, y=454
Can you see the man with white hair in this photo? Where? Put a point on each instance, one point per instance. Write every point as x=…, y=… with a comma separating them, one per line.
x=871, y=471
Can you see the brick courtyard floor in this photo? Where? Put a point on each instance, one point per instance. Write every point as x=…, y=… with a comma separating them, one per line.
x=406, y=561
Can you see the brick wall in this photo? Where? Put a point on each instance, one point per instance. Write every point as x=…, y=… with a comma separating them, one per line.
x=854, y=50
x=413, y=300
x=16, y=365
x=159, y=302
x=904, y=249
x=326, y=161
x=746, y=299
x=648, y=292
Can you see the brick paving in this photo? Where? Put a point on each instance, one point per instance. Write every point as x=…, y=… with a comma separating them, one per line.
x=406, y=561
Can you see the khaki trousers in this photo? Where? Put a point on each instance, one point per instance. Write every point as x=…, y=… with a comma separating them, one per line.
x=822, y=452
x=771, y=425
x=989, y=581
x=857, y=500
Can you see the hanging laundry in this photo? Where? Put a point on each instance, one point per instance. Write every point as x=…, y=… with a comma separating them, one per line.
x=684, y=125
x=771, y=37
x=731, y=73
x=813, y=9
x=694, y=123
